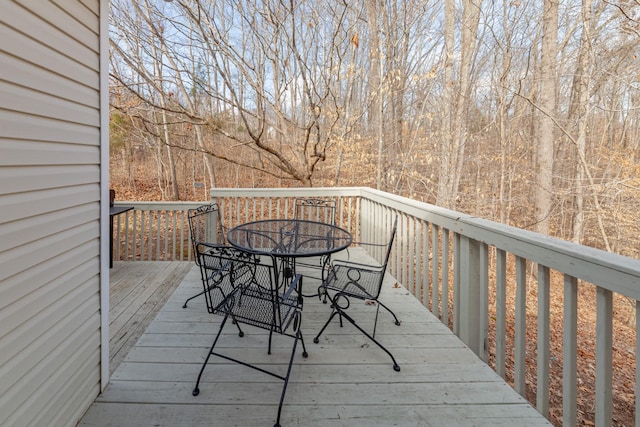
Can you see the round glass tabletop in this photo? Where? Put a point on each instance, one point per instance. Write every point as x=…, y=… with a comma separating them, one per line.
x=289, y=237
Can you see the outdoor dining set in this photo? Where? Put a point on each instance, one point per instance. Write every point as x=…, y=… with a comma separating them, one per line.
x=259, y=273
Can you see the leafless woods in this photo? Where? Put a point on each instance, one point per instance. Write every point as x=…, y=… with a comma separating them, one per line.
x=526, y=112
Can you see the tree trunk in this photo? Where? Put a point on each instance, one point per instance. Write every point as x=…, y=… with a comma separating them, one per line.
x=579, y=115
x=545, y=117
x=444, y=195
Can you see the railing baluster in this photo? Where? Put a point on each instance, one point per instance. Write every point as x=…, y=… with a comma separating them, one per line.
x=520, y=345
x=501, y=311
x=166, y=238
x=158, y=233
x=150, y=240
x=424, y=279
x=410, y=252
x=435, y=288
x=637, y=363
x=444, y=283
x=570, y=351
x=542, y=395
x=604, y=359
x=134, y=235
x=483, y=302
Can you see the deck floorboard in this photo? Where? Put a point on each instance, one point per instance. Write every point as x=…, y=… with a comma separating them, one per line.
x=345, y=381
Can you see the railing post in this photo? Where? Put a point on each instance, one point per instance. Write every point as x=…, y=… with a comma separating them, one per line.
x=470, y=302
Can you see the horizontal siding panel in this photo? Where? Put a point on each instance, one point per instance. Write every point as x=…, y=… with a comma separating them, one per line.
x=68, y=407
x=16, y=44
x=92, y=5
x=20, y=232
x=30, y=280
x=67, y=36
x=15, y=370
x=15, y=152
x=17, y=98
x=33, y=178
x=15, y=70
x=87, y=15
x=12, y=316
x=21, y=205
x=39, y=329
x=55, y=349
x=23, y=257
x=24, y=126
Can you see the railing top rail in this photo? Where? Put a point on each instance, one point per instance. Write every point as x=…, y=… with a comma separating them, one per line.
x=150, y=206
x=288, y=192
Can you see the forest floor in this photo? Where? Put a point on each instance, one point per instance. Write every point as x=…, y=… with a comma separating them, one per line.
x=623, y=339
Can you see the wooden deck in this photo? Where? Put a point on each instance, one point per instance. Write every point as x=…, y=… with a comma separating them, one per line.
x=345, y=381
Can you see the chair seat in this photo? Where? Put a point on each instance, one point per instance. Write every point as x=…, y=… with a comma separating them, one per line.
x=254, y=306
x=354, y=280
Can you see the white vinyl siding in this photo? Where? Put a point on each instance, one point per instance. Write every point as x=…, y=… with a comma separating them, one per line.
x=50, y=207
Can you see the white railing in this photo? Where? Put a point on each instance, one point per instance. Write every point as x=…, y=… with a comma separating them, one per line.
x=472, y=273
x=153, y=231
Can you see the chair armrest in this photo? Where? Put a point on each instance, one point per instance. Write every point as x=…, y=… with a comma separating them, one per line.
x=356, y=265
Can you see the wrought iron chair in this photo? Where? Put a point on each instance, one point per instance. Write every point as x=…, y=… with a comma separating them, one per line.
x=259, y=298
x=347, y=279
x=318, y=210
x=205, y=226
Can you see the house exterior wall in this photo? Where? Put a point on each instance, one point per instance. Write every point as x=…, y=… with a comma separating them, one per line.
x=51, y=210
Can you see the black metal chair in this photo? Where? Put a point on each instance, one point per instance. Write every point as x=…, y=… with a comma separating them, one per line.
x=318, y=210
x=258, y=297
x=347, y=279
x=205, y=225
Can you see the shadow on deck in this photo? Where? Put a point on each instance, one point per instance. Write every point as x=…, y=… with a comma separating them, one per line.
x=346, y=380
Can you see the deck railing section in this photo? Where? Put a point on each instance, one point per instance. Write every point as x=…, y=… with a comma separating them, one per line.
x=471, y=273
x=153, y=231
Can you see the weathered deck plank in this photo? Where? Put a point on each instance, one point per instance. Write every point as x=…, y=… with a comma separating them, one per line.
x=138, y=290
x=345, y=381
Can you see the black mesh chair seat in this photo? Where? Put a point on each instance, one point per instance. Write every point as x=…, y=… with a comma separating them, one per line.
x=253, y=306
x=344, y=280
x=358, y=280
x=248, y=288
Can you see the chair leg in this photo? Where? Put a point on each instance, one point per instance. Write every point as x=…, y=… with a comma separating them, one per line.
x=397, y=322
x=193, y=297
x=196, y=389
x=337, y=310
x=396, y=367
x=333, y=314
x=297, y=336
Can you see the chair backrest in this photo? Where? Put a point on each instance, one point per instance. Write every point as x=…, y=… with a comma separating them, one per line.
x=248, y=286
x=222, y=269
x=393, y=236
x=319, y=210
x=361, y=280
x=205, y=225
x=383, y=268
x=375, y=291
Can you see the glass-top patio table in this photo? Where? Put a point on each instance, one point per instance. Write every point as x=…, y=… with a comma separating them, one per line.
x=288, y=239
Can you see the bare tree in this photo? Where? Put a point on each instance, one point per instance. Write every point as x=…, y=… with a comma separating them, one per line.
x=545, y=117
